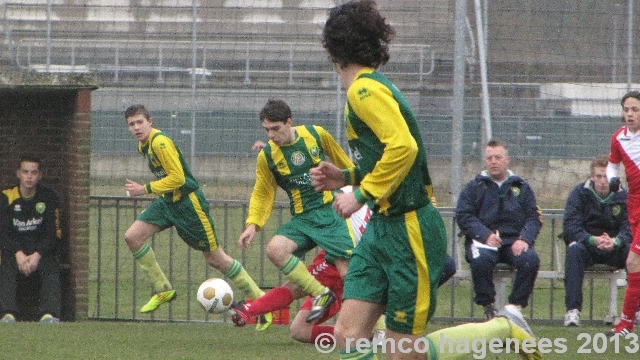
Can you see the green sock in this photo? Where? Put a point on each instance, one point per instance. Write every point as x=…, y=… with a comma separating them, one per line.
x=146, y=258
x=364, y=354
x=295, y=271
x=241, y=279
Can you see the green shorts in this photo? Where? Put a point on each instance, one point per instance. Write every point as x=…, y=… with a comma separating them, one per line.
x=190, y=216
x=398, y=264
x=320, y=227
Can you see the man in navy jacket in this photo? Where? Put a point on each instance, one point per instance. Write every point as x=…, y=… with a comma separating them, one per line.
x=498, y=214
x=596, y=231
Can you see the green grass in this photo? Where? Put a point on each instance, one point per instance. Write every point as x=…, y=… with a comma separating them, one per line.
x=207, y=340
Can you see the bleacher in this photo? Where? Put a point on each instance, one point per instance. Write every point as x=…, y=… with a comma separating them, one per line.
x=239, y=43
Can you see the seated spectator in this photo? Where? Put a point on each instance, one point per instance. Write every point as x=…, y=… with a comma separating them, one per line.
x=596, y=231
x=30, y=217
x=498, y=215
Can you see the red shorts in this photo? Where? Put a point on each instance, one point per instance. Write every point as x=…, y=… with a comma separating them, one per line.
x=633, y=206
x=328, y=276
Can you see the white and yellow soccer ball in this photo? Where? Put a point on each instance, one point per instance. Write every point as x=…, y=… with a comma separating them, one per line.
x=215, y=295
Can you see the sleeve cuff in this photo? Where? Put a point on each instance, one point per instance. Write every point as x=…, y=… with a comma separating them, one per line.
x=147, y=188
x=591, y=241
x=359, y=197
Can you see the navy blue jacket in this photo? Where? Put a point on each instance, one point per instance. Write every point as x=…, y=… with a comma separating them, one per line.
x=511, y=209
x=586, y=214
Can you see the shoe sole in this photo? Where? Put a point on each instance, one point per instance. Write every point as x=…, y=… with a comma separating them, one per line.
x=517, y=319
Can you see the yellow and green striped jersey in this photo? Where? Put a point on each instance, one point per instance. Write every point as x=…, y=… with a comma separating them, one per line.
x=288, y=167
x=385, y=139
x=166, y=162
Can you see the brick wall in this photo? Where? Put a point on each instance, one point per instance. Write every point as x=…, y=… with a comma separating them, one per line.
x=55, y=124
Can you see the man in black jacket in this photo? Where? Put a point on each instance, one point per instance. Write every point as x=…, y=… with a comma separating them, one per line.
x=31, y=231
x=498, y=214
x=596, y=231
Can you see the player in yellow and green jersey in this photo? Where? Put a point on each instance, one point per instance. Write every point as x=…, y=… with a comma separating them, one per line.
x=180, y=203
x=285, y=162
x=395, y=269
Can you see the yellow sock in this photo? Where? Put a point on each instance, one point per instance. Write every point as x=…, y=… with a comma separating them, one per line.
x=146, y=258
x=241, y=279
x=380, y=324
x=442, y=343
x=295, y=271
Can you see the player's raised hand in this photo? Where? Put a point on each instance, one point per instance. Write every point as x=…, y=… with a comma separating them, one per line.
x=247, y=236
x=326, y=176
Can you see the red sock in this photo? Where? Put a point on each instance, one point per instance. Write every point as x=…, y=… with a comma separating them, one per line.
x=318, y=330
x=275, y=299
x=631, y=299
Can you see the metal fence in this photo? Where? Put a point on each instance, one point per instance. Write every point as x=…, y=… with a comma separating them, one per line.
x=118, y=289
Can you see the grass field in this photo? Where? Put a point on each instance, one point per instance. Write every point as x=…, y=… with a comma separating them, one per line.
x=155, y=340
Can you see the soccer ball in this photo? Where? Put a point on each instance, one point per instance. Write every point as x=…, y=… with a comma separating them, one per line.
x=215, y=295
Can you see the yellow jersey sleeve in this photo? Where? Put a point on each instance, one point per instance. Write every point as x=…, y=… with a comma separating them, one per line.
x=169, y=158
x=263, y=195
x=333, y=149
x=381, y=113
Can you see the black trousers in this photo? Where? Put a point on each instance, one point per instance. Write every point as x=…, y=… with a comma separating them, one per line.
x=48, y=274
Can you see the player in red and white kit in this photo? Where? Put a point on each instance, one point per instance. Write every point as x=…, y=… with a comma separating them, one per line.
x=625, y=149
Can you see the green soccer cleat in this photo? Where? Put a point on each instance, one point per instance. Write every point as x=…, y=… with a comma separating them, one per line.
x=264, y=321
x=159, y=299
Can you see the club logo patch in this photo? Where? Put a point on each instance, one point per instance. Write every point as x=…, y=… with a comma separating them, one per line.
x=297, y=158
x=40, y=207
x=314, y=151
x=615, y=209
x=515, y=191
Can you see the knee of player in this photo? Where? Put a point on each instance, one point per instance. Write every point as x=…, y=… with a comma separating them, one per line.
x=301, y=332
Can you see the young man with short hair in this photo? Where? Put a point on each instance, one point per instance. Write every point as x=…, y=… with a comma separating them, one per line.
x=31, y=218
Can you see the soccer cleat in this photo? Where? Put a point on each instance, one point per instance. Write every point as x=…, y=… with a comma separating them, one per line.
x=320, y=305
x=159, y=299
x=264, y=321
x=238, y=317
x=489, y=311
x=623, y=328
x=8, y=318
x=49, y=319
x=572, y=318
x=519, y=329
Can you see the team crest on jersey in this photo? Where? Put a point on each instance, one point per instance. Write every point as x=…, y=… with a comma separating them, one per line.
x=40, y=207
x=314, y=151
x=17, y=208
x=515, y=191
x=615, y=209
x=281, y=165
x=297, y=158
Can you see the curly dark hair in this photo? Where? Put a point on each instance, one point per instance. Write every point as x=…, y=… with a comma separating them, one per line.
x=356, y=32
